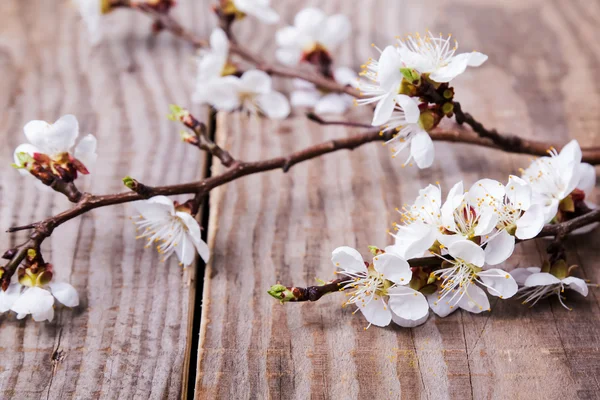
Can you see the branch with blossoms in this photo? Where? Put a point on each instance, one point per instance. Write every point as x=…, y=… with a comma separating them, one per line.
x=443, y=253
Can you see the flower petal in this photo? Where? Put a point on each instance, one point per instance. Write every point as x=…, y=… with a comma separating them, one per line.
x=223, y=93
x=474, y=300
x=587, y=178
x=348, y=259
x=9, y=296
x=274, y=105
x=577, y=285
x=487, y=221
x=287, y=36
x=500, y=283
x=337, y=29
x=476, y=59
x=219, y=42
x=407, y=303
x=289, y=56
x=384, y=109
x=158, y=207
x=376, y=312
x=410, y=108
x=409, y=323
x=256, y=81
x=388, y=73
x=440, y=307
x=520, y=275
x=258, y=9
x=65, y=293
x=345, y=76
x=393, y=268
x=85, y=151
x=331, y=103
x=185, y=250
x=541, y=279
x=467, y=251
x=453, y=200
x=499, y=248
x=414, y=240
x=518, y=192
x=54, y=138
x=455, y=67
x=422, y=150
x=530, y=223
x=304, y=98
x=310, y=20
x=487, y=192
x=35, y=301
x=194, y=234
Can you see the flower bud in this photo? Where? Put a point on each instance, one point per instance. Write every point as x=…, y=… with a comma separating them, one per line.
x=282, y=293
x=411, y=75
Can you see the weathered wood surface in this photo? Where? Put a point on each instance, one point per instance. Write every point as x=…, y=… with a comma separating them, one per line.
x=129, y=336
x=540, y=82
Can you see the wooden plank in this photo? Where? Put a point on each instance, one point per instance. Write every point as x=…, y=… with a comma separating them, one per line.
x=539, y=82
x=129, y=336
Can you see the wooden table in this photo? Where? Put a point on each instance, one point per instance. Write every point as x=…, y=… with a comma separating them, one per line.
x=138, y=332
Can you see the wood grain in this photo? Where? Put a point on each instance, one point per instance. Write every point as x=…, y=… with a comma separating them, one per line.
x=129, y=337
x=539, y=83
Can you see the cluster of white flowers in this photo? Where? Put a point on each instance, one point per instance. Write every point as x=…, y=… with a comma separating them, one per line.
x=388, y=81
x=471, y=232
x=311, y=39
x=49, y=156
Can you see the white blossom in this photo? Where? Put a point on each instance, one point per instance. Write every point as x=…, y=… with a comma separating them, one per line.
x=435, y=55
x=306, y=94
x=172, y=228
x=420, y=224
x=57, y=141
x=407, y=133
x=517, y=215
x=458, y=287
x=261, y=9
x=38, y=300
x=212, y=64
x=252, y=92
x=382, y=85
x=464, y=217
x=537, y=285
x=381, y=291
x=554, y=178
x=313, y=31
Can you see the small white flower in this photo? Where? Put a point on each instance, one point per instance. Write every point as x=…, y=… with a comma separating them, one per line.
x=380, y=291
x=175, y=230
x=553, y=178
x=252, y=92
x=212, y=64
x=313, y=31
x=261, y=9
x=464, y=217
x=420, y=225
x=39, y=301
x=458, y=289
x=91, y=12
x=434, y=55
x=517, y=216
x=408, y=132
x=306, y=94
x=56, y=141
x=537, y=285
x=382, y=87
